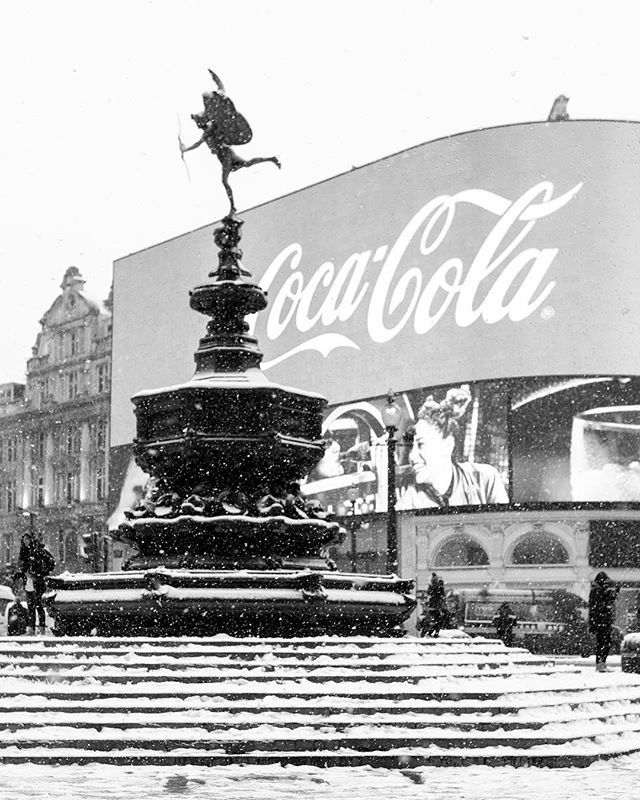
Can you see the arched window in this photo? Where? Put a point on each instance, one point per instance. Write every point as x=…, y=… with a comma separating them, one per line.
x=461, y=551
x=539, y=548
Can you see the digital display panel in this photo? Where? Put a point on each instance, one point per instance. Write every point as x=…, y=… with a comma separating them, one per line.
x=451, y=450
x=516, y=441
x=576, y=439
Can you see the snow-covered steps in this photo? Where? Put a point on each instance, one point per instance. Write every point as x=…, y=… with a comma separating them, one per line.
x=348, y=702
x=109, y=674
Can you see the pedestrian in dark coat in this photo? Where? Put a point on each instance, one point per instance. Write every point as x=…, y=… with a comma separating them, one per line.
x=504, y=622
x=35, y=562
x=438, y=613
x=602, y=598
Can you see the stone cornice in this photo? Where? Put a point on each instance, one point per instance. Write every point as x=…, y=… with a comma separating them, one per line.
x=64, y=410
x=68, y=363
x=511, y=516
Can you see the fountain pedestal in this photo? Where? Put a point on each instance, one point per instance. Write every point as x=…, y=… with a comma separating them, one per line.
x=225, y=542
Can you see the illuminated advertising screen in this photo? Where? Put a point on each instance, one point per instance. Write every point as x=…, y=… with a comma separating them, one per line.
x=451, y=450
x=576, y=439
x=510, y=441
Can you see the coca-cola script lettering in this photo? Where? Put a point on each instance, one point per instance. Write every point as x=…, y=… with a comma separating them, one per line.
x=407, y=285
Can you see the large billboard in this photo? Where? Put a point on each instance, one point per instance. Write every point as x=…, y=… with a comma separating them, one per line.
x=489, y=255
x=518, y=441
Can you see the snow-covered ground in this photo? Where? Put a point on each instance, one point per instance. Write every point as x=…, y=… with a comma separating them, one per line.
x=388, y=716
x=606, y=780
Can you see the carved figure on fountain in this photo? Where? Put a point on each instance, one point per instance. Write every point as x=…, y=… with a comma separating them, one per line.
x=230, y=529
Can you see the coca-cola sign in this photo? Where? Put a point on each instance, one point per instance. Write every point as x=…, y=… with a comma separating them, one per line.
x=501, y=253
x=406, y=284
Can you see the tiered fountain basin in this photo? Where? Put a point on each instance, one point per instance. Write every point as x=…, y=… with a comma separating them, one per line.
x=166, y=602
x=227, y=429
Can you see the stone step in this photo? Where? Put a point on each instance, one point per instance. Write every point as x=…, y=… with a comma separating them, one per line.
x=542, y=704
x=268, y=660
x=46, y=646
x=220, y=721
x=452, y=684
x=346, y=694
x=405, y=760
x=186, y=662
x=279, y=674
x=250, y=643
x=267, y=738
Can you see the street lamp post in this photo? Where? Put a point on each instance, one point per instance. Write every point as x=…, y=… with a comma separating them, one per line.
x=391, y=416
x=353, y=525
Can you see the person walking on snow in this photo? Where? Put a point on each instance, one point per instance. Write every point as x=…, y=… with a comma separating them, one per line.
x=504, y=622
x=602, y=598
x=35, y=562
x=437, y=614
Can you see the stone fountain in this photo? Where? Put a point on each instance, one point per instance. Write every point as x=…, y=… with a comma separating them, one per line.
x=224, y=540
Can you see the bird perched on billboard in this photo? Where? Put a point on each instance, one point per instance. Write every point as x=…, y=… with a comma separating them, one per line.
x=558, y=111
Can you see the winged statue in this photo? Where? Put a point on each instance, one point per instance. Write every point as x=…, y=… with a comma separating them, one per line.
x=222, y=127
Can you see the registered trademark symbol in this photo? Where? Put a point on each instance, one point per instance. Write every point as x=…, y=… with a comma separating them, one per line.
x=547, y=312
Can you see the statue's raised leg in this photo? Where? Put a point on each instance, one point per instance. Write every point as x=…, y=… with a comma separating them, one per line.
x=260, y=160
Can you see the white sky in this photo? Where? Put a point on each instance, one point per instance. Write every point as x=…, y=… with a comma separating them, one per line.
x=92, y=93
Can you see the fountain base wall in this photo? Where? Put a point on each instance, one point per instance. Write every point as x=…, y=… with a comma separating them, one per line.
x=164, y=602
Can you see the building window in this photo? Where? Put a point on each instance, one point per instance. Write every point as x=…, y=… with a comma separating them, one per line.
x=12, y=449
x=37, y=490
x=103, y=378
x=72, y=385
x=72, y=441
x=10, y=496
x=41, y=445
x=461, y=551
x=74, y=343
x=34, y=489
x=71, y=487
x=101, y=433
x=43, y=390
x=100, y=484
x=539, y=548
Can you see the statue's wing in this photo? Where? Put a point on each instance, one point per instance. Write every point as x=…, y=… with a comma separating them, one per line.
x=232, y=127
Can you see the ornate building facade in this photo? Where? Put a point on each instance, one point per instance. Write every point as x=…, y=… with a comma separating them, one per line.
x=54, y=432
x=536, y=550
